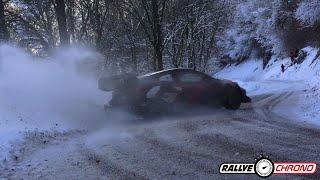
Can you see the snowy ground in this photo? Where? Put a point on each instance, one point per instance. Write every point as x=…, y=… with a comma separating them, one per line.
x=303, y=79
x=52, y=124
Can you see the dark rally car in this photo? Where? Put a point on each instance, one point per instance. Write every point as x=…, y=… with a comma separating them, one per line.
x=161, y=91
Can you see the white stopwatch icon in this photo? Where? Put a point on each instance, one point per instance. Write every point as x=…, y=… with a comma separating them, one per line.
x=264, y=167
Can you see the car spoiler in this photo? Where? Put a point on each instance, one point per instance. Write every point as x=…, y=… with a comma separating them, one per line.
x=111, y=83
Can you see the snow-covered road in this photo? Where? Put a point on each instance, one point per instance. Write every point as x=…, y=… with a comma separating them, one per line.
x=187, y=147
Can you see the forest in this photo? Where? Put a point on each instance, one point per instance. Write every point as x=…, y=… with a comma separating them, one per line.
x=150, y=35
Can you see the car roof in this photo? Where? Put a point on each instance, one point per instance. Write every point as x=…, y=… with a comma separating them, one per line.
x=168, y=70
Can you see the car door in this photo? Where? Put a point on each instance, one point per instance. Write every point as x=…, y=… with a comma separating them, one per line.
x=194, y=85
x=164, y=89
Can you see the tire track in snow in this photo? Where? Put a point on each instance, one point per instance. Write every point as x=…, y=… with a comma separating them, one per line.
x=194, y=146
x=107, y=167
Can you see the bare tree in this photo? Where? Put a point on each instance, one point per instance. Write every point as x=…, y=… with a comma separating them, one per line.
x=60, y=8
x=150, y=13
x=34, y=27
x=174, y=33
x=71, y=18
x=157, y=33
x=4, y=35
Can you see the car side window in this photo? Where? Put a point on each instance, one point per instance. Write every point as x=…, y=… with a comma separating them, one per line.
x=152, y=92
x=166, y=78
x=191, y=77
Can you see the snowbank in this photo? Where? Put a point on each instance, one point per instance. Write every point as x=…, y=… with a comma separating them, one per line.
x=302, y=78
x=247, y=71
x=307, y=73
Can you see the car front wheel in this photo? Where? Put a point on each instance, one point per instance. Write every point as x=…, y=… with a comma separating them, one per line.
x=233, y=100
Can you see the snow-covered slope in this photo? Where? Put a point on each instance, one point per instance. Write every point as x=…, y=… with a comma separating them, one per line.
x=302, y=78
x=251, y=70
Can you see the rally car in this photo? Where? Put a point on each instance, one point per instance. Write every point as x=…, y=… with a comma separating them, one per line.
x=162, y=91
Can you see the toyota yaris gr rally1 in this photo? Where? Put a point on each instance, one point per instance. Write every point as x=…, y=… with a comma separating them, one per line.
x=161, y=91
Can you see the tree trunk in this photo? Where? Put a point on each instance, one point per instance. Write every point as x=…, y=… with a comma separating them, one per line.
x=4, y=35
x=60, y=8
x=98, y=25
x=71, y=8
x=174, y=53
x=157, y=37
x=134, y=59
x=158, y=59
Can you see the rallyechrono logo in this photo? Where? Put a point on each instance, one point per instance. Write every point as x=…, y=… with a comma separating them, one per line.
x=264, y=167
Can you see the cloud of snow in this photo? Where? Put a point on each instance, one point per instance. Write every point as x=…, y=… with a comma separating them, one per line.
x=50, y=96
x=45, y=93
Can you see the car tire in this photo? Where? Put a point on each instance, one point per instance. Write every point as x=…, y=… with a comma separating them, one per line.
x=233, y=100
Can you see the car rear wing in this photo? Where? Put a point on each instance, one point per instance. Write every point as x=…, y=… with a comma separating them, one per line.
x=117, y=81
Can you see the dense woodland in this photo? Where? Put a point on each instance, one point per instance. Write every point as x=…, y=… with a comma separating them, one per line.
x=149, y=35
